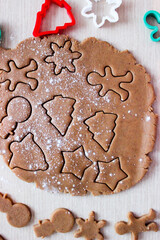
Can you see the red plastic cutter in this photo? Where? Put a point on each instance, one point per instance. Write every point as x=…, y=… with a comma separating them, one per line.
x=42, y=14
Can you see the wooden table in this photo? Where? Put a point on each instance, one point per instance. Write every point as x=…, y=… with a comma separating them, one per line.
x=17, y=18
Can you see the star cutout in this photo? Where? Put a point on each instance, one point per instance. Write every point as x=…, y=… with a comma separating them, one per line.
x=89, y=228
x=63, y=57
x=76, y=162
x=91, y=11
x=110, y=173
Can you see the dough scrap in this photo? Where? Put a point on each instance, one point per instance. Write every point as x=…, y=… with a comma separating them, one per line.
x=136, y=225
x=61, y=220
x=1, y=238
x=90, y=228
x=18, y=215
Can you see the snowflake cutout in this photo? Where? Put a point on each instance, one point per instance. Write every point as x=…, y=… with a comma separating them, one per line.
x=90, y=228
x=111, y=16
x=63, y=57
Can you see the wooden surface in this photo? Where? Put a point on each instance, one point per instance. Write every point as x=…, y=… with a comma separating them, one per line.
x=17, y=18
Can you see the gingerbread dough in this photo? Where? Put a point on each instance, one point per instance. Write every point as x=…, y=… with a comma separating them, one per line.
x=75, y=117
x=18, y=214
x=1, y=238
x=61, y=221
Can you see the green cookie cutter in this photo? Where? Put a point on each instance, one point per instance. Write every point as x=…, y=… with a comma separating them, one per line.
x=155, y=29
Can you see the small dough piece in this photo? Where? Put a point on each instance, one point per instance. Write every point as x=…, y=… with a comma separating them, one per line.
x=5, y=203
x=44, y=228
x=136, y=225
x=61, y=220
x=18, y=214
x=1, y=238
x=90, y=228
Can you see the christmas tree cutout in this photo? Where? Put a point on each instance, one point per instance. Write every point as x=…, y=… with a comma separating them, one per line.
x=102, y=126
x=60, y=109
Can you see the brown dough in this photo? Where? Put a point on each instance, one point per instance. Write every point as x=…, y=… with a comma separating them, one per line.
x=61, y=221
x=90, y=228
x=1, y=238
x=136, y=225
x=18, y=214
x=83, y=121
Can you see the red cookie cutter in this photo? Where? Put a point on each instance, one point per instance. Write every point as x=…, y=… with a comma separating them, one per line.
x=42, y=14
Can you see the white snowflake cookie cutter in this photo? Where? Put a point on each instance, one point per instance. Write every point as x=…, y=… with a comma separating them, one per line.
x=111, y=17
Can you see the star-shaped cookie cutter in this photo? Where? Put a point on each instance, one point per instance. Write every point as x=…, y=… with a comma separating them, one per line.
x=155, y=15
x=112, y=17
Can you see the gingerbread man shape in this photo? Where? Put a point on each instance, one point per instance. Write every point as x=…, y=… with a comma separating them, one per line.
x=137, y=225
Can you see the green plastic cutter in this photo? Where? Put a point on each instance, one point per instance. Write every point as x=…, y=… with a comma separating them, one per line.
x=155, y=29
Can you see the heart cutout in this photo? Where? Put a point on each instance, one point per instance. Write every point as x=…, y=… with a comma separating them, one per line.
x=154, y=29
x=41, y=15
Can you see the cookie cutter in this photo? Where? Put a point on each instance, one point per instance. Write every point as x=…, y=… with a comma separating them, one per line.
x=111, y=17
x=155, y=29
x=41, y=14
